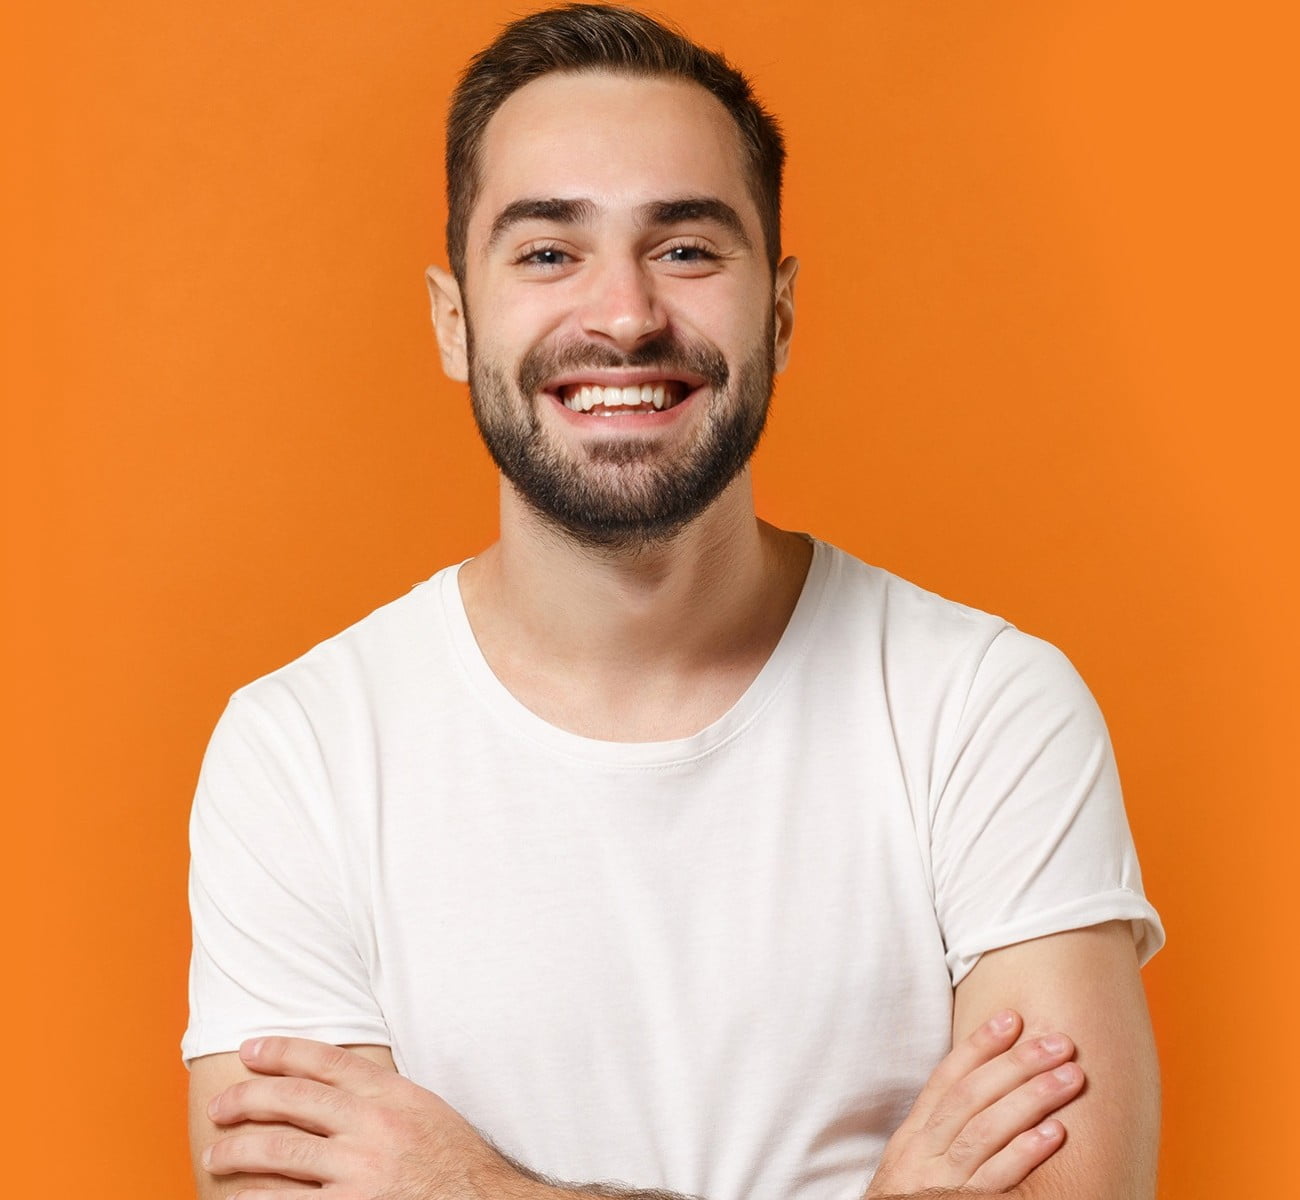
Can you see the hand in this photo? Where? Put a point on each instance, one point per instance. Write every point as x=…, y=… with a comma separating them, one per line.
x=979, y=1121
x=362, y=1132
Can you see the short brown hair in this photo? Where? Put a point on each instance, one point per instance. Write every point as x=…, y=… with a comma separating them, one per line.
x=600, y=37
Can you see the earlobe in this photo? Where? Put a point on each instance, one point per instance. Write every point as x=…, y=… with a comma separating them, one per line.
x=448, y=322
x=784, y=310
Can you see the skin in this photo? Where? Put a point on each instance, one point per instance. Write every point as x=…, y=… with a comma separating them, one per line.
x=730, y=580
x=300, y=1114
x=1086, y=981
x=314, y=1114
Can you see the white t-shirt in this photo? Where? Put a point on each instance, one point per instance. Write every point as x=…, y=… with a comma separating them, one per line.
x=721, y=965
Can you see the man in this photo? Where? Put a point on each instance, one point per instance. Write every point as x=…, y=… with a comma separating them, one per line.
x=655, y=844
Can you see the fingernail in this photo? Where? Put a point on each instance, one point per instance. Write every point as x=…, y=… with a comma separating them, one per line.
x=254, y=1048
x=1002, y=1022
x=1067, y=1074
x=213, y=1105
x=1054, y=1043
x=207, y=1157
x=1050, y=1130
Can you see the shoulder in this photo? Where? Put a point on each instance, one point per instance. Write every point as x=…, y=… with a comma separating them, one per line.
x=859, y=593
x=942, y=666
x=315, y=717
x=376, y=653
x=925, y=639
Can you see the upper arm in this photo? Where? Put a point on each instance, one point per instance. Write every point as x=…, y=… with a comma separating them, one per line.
x=211, y=1075
x=278, y=946
x=1085, y=984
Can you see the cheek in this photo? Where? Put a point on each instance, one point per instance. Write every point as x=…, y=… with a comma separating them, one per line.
x=733, y=315
x=520, y=314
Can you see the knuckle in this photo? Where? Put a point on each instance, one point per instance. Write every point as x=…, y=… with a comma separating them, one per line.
x=1063, y=1078
x=939, y=1082
x=979, y=1132
x=290, y=1148
x=935, y=1120
x=335, y=1058
x=960, y=1096
x=220, y=1104
x=1032, y=1052
x=331, y=1098
x=1026, y=1054
x=963, y=1148
x=1054, y=1045
x=216, y=1157
x=1045, y=1088
x=334, y=1062
x=997, y=1028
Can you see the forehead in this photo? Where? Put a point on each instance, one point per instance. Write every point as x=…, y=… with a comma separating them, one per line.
x=618, y=140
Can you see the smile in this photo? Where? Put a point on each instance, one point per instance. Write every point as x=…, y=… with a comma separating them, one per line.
x=606, y=401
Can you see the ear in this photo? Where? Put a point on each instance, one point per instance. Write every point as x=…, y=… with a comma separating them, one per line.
x=784, y=305
x=448, y=322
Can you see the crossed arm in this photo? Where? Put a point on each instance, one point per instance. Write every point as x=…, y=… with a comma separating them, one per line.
x=306, y=1114
x=1085, y=981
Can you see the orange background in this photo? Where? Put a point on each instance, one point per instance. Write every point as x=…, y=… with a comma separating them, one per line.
x=1043, y=365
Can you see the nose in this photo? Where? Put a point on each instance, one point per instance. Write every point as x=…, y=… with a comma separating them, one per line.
x=621, y=305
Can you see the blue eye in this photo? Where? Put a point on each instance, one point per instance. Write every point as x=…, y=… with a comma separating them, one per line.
x=547, y=256
x=688, y=254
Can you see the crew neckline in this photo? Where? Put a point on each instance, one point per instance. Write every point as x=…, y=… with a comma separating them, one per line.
x=506, y=708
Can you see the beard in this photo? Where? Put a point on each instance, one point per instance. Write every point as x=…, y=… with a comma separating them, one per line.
x=627, y=493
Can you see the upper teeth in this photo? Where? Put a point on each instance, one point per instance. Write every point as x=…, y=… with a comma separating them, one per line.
x=588, y=396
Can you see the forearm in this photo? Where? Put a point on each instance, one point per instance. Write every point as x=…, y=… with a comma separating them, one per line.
x=611, y=1192
x=1044, y=1184
x=1016, y=1193
x=546, y=1188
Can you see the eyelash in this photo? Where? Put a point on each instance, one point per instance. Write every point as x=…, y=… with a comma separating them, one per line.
x=703, y=252
x=531, y=254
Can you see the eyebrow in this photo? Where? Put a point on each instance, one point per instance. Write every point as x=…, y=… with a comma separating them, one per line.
x=656, y=213
x=695, y=208
x=560, y=212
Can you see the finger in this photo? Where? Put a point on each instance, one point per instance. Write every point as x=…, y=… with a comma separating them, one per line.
x=311, y=1106
x=987, y=1041
x=1011, y=1165
x=286, y=1152
x=993, y=1081
x=309, y=1059
x=994, y=1128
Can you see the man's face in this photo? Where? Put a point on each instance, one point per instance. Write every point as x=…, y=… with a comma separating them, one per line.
x=621, y=321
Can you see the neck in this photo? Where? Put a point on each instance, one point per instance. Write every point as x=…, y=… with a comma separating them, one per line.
x=720, y=590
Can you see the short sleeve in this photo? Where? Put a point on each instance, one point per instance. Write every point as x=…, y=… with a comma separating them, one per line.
x=273, y=946
x=1028, y=831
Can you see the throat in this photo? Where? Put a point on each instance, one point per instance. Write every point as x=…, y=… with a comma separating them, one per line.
x=666, y=667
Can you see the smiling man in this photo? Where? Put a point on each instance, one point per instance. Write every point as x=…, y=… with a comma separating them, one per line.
x=655, y=847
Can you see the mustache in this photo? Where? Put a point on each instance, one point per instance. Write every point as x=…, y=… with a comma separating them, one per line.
x=667, y=352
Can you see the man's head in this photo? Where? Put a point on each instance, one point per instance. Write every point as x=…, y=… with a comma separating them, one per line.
x=614, y=304
x=595, y=37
